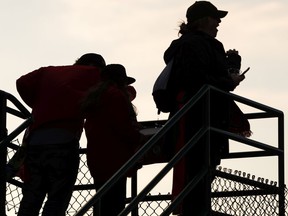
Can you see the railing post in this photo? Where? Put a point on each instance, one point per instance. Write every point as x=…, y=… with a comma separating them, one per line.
x=134, y=181
x=281, y=167
x=207, y=123
x=3, y=155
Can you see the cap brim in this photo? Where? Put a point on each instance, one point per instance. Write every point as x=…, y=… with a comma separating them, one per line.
x=130, y=80
x=222, y=14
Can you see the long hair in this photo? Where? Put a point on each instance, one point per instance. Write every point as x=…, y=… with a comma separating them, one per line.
x=192, y=26
x=92, y=101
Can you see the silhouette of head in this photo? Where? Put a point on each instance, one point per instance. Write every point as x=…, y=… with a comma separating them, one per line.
x=91, y=59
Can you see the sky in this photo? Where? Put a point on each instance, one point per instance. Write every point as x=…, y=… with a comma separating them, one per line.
x=136, y=34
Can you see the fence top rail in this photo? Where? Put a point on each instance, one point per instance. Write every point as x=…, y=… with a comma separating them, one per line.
x=166, y=126
x=16, y=102
x=16, y=132
x=247, y=101
x=250, y=142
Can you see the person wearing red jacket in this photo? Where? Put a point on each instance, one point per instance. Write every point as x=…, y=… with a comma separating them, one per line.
x=112, y=134
x=54, y=94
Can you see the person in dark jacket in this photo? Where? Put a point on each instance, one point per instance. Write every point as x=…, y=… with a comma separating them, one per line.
x=54, y=94
x=112, y=134
x=200, y=59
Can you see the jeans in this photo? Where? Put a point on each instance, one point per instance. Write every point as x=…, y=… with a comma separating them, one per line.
x=52, y=171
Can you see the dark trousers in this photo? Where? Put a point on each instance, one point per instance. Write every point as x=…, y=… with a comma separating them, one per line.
x=52, y=171
x=113, y=201
x=197, y=202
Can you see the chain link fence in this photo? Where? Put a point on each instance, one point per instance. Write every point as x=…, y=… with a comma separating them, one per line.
x=233, y=193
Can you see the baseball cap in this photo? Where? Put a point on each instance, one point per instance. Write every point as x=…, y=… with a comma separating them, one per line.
x=202, y=9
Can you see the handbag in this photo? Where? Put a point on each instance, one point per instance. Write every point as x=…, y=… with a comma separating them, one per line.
x=158, y=153
x=16, y=163
x=161, y=94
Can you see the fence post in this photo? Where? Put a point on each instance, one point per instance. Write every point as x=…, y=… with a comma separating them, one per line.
x=281, y=166
x=206, y=115
x=3, y=155
x=134, y=181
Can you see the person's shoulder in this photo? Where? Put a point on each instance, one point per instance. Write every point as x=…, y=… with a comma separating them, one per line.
x=200, y=41
x=114, y=92
x=113, y=89
x=77, y=69
x=195, y=37
x=50, y=68
x=39, y=71
x=87, y=69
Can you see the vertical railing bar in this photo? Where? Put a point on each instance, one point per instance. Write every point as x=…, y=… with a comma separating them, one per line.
x=165, y=170
x=191, y=184
x=3, y=154
x=140, y=153
x=281, y=165
x=207, y=122
x=134, y=192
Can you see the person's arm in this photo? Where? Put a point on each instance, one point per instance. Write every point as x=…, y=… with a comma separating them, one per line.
x=27, y=86
x=197, y=60
x=119, y=109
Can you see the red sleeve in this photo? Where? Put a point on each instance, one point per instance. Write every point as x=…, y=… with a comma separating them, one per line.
x=27, y=86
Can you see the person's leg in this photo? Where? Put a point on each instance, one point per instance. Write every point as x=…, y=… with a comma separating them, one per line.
x=34, y=189
x=113, y=201
x=195, y=202
x=62, y=169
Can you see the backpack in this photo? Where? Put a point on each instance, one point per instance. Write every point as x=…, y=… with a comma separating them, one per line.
x=161, y=93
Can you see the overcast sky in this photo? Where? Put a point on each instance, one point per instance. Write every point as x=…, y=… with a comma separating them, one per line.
x=136, y=33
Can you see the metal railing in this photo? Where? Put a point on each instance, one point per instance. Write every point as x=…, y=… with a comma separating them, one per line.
x=267, y=112
x=265, y=150
x=21, y=112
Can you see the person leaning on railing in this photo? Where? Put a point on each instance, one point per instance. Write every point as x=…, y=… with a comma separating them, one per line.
x=112, y=133
x=54, y=94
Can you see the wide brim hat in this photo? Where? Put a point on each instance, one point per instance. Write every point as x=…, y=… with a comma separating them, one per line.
x=117, y=72
x=201, y=9
x=130, y=80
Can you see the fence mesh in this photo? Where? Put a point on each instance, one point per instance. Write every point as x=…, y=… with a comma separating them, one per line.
x=228, y=194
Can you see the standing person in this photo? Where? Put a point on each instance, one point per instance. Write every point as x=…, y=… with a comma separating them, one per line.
x=199, y=59
x=54, y=93
x=112, y=134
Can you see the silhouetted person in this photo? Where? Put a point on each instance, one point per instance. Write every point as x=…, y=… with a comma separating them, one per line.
x=54, y=93
x=199, y=59
x=112, y=134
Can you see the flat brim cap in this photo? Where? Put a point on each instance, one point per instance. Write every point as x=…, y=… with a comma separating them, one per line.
x=201, y=9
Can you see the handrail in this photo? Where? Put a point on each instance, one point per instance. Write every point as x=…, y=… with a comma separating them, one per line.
x=265, y=149
x=22, y=113
x=140, y=153
x=164, y=171
x=16, y=132
x=273, y=151
x=268, y=112
x=185, y=192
